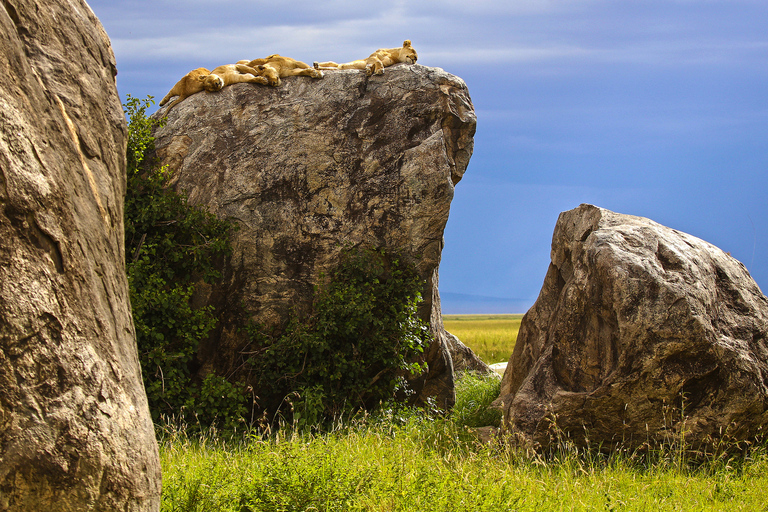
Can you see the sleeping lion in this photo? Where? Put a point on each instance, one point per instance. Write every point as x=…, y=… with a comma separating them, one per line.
x=190, y=84
x=378, y=60
x=201, y=79
x=275, y=67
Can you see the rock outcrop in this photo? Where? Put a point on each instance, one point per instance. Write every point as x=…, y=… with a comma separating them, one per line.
x=315, y=165
x=640, y=333
x=463, y=358
x=75, y=429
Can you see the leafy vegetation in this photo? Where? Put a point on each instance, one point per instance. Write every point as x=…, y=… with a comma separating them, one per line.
x=171, y=246
x=356, y=349
x=474, y=394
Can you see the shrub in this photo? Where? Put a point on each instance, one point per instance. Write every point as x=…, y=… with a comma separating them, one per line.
x=356, y=348
x=171, y=246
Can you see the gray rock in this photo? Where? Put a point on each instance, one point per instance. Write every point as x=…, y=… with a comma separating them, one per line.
x=75, y=429
x=640, y=333
x=315, y=165
x=464, y=359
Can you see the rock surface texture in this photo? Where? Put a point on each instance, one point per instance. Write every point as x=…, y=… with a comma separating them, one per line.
x=640, y=333
x=315, y=165
x=75, y=429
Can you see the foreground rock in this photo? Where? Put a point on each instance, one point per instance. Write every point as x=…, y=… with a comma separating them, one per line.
x=75, y=430
x=640, y=332
x=313, y=166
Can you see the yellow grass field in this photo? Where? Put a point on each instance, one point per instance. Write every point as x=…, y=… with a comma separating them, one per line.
x=491, y=337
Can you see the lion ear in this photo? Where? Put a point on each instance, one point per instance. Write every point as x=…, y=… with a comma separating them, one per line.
x=406, y=43
x=202, y=77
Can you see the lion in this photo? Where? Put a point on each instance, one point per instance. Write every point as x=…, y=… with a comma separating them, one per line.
x=229, y=74
x=201, y=79
x=190, y=84
x=378, y=60
x=275, y=67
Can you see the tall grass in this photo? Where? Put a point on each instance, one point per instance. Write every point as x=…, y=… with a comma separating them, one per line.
x=410, y=460
x=491, y=337
x=414, y=460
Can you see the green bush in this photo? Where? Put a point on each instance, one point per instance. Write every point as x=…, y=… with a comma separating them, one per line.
x=357, y=347
x=171, y=246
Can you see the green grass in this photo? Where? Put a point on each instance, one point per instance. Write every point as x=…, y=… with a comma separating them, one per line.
x=406, y=460
x=491, y=337
x=411, y=460
x=418, y=467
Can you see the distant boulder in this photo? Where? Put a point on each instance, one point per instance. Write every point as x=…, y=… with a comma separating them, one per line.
x=311, y=167
x=75, y=429
x=464, y=359
x=640, y=333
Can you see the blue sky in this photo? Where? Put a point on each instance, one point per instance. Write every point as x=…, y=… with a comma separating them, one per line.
x=644, y=107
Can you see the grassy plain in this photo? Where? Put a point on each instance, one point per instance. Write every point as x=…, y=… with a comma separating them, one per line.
x=412, y=460
x=417, y=463
x=491, y=337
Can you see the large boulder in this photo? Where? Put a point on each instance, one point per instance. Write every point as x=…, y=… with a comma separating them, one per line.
x=314, y=166
x=75, y=429
x=640, y=333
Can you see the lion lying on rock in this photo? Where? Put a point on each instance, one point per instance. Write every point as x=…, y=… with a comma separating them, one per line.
x=230, y=74
x=190, y=84
x=201, y=79
x=375, y=64
x=275, y=67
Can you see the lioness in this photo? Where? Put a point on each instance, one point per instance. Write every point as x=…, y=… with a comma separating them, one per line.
x=275, y=67
x=375, y=64
x=229, y=74
x=201, y=79
x=190, y=84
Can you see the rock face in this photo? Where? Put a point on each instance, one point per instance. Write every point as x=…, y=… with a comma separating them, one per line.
x=640, y=332
x=315, y=165
x=75, y=430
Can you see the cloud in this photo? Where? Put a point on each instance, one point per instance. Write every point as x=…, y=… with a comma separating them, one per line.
x=572, y=93
x=536, y=36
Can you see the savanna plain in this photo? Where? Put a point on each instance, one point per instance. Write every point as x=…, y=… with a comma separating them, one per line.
x=402, y=459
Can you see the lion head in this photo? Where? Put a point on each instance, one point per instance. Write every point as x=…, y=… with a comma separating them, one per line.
x=213, y=83
x=408, y=53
